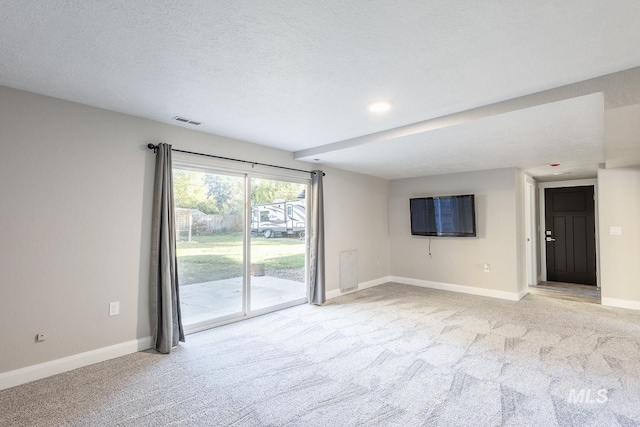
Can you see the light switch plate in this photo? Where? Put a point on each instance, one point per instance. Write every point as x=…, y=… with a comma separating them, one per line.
x=114, y=309
x=615, y=231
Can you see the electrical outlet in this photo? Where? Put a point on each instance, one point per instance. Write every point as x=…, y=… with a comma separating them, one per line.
x=487, y=268
x=41, y=336
x=114, y=309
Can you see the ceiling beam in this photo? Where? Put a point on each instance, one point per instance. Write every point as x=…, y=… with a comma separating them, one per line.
x=620, y=89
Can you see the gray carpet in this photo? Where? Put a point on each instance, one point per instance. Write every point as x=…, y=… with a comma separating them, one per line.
x=394, y=355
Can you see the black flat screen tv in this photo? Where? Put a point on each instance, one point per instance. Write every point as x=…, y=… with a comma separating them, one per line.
x=448, y=216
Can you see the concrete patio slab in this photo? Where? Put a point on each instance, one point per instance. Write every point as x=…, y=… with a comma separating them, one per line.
x=210, y=300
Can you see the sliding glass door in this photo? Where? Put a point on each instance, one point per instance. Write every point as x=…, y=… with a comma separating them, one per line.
x=278, y=249
x=210, y=244
x=240, y=244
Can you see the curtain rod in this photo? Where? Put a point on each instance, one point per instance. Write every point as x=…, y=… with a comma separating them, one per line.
x=155, y=148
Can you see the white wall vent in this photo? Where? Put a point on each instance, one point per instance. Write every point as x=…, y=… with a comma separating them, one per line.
x=185, y=120
x=348, y=270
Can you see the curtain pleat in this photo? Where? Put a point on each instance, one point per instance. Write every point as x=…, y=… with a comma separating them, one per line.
x=166, y=318
x=317, y=293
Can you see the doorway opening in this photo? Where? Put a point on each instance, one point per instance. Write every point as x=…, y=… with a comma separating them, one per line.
x=567, y=291
x=568, y=237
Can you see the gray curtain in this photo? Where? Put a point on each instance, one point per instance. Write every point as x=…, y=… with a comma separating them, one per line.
x=317, y=294
x=166, y=321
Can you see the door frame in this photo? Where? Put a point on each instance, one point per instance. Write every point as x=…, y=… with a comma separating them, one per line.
x=247, y=242
x=541, y=230
x=210, y=165
x=531, y=231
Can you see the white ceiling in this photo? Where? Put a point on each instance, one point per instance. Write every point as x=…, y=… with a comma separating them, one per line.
x=558, y=132
x=297, y=75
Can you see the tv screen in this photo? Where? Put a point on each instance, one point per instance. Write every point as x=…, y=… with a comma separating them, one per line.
x=448, y=216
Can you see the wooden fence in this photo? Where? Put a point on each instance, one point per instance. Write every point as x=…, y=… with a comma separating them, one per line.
x=192, y=222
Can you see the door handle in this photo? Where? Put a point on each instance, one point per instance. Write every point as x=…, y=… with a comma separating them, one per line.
x=550, y=239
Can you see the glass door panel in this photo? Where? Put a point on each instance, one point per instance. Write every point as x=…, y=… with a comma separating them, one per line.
x=210, y=245
x=278, y=248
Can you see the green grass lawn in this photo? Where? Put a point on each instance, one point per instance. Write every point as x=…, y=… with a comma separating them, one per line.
x=219, y=257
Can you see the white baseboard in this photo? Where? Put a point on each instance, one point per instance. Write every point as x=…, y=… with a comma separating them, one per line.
x=53, y=367
x=511, y=296
x=522, y=293
x=364, y=285
x=620, y=303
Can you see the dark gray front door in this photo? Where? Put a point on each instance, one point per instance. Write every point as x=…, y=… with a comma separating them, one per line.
x=570, y=235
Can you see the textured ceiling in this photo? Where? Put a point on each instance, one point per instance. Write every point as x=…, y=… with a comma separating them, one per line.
x=558, y=132
x=297, y=75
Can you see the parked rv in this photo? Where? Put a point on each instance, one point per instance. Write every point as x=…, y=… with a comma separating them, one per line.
x=284, y=218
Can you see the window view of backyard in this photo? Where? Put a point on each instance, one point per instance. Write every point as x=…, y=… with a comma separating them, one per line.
x=210, y=248
x=219, y=257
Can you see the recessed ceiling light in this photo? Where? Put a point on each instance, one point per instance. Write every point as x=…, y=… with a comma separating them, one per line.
x=379, y=106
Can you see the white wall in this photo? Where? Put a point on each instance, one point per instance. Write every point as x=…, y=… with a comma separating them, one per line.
x=520, y=230
x=619, y=206
x=622, y=136
x=459, y=261
x=75, y=189
x=359, y=221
